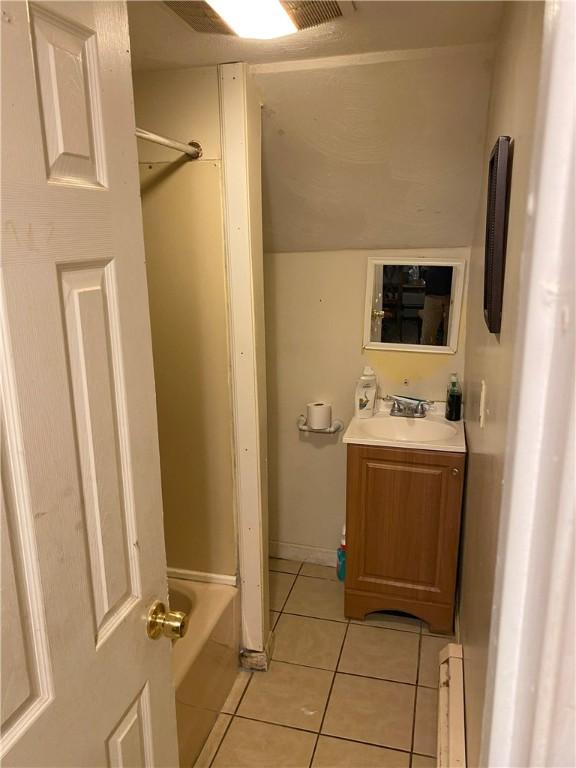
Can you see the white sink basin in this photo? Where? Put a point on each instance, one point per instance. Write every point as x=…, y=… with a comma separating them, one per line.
x=433, y=432
x=406, y=430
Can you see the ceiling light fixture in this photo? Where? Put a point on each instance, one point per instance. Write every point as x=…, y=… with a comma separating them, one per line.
x=258, y=19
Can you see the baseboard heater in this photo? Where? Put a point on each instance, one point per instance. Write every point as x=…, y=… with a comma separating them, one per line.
x=451, y=723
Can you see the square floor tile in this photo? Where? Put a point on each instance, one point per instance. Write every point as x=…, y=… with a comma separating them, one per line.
x=238, y=688
x=319, y=571
x=283, y=566
x=390, y=621
x=384, y=653
x=287, y=694
x=375, y=711
x=311, y=642
x=338, y=753
x=319, y=598
x=426, y=721
x=450, y=638
x=429, y=672
x=419, y=761
x=280, y=585
x=212, y=743
x=248, y=744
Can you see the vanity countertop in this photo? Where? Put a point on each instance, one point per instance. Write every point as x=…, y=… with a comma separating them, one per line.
x=432, y=433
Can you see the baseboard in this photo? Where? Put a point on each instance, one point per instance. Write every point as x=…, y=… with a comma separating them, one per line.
x=451, y=722
x=210, y=578
x=302, y=553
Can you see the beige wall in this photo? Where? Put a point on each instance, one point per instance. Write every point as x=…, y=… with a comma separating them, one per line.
x=314, y=326
x=490, y=358
x=374, y=154
x=183, y=231
x=369, y=154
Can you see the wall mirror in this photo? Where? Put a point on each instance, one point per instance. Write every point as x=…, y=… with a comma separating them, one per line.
x=414, y=302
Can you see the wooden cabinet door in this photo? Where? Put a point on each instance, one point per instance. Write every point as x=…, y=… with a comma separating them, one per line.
x=403, y=529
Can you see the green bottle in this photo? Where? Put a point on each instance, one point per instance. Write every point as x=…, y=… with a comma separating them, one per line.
x=454, y=399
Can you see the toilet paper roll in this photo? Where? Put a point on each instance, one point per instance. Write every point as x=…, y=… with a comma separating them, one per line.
x=319, y=415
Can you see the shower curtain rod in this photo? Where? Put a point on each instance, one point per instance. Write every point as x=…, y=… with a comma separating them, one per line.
x=193, y=149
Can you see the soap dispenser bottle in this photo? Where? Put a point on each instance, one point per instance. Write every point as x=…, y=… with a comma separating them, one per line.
x=341, y=557
x=454, y=399
x=366, y=390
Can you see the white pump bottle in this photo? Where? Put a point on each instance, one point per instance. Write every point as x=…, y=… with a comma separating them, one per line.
x=366, y=391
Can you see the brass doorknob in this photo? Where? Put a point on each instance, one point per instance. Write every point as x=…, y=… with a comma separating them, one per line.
x=172, y=624
x=455, y=471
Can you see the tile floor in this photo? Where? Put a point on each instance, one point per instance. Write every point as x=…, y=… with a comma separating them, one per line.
x=337, y=693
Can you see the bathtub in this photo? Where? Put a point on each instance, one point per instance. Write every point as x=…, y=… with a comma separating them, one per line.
x=205, y=661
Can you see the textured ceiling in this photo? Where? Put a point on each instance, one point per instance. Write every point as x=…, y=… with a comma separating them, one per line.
x=161, y=40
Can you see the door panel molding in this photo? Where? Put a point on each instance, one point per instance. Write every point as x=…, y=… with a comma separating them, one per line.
x=67, y=80
x=131, y=743
x=88, y=299
x=20, y=569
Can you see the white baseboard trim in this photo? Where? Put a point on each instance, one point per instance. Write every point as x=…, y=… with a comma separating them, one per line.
x=451, y=722
x=210, y=578
x=303, y=553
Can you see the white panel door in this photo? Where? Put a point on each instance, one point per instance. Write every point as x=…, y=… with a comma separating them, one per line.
x=82, y=539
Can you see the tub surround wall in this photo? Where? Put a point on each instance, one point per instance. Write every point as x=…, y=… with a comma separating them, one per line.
x=183, y=232
x=314, y=324
x=489, y=357
x=182, y=104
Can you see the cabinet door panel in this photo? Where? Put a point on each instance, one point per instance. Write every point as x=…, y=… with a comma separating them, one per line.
x=403, y=523
x=402, y=511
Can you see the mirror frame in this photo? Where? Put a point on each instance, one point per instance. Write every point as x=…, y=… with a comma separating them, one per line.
x=429, y=257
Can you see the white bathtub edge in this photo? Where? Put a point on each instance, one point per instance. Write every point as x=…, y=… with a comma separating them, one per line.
x=208, y=578
x=210, y=601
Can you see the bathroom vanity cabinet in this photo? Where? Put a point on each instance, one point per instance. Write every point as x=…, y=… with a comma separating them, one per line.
x=403, y=531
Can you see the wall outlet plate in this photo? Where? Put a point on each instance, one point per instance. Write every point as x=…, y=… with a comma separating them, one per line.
x=482, y=408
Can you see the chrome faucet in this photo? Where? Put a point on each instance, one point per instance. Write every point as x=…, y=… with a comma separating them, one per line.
x=410, y=408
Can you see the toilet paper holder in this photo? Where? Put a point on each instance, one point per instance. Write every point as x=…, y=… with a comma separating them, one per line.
x=336, y=426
